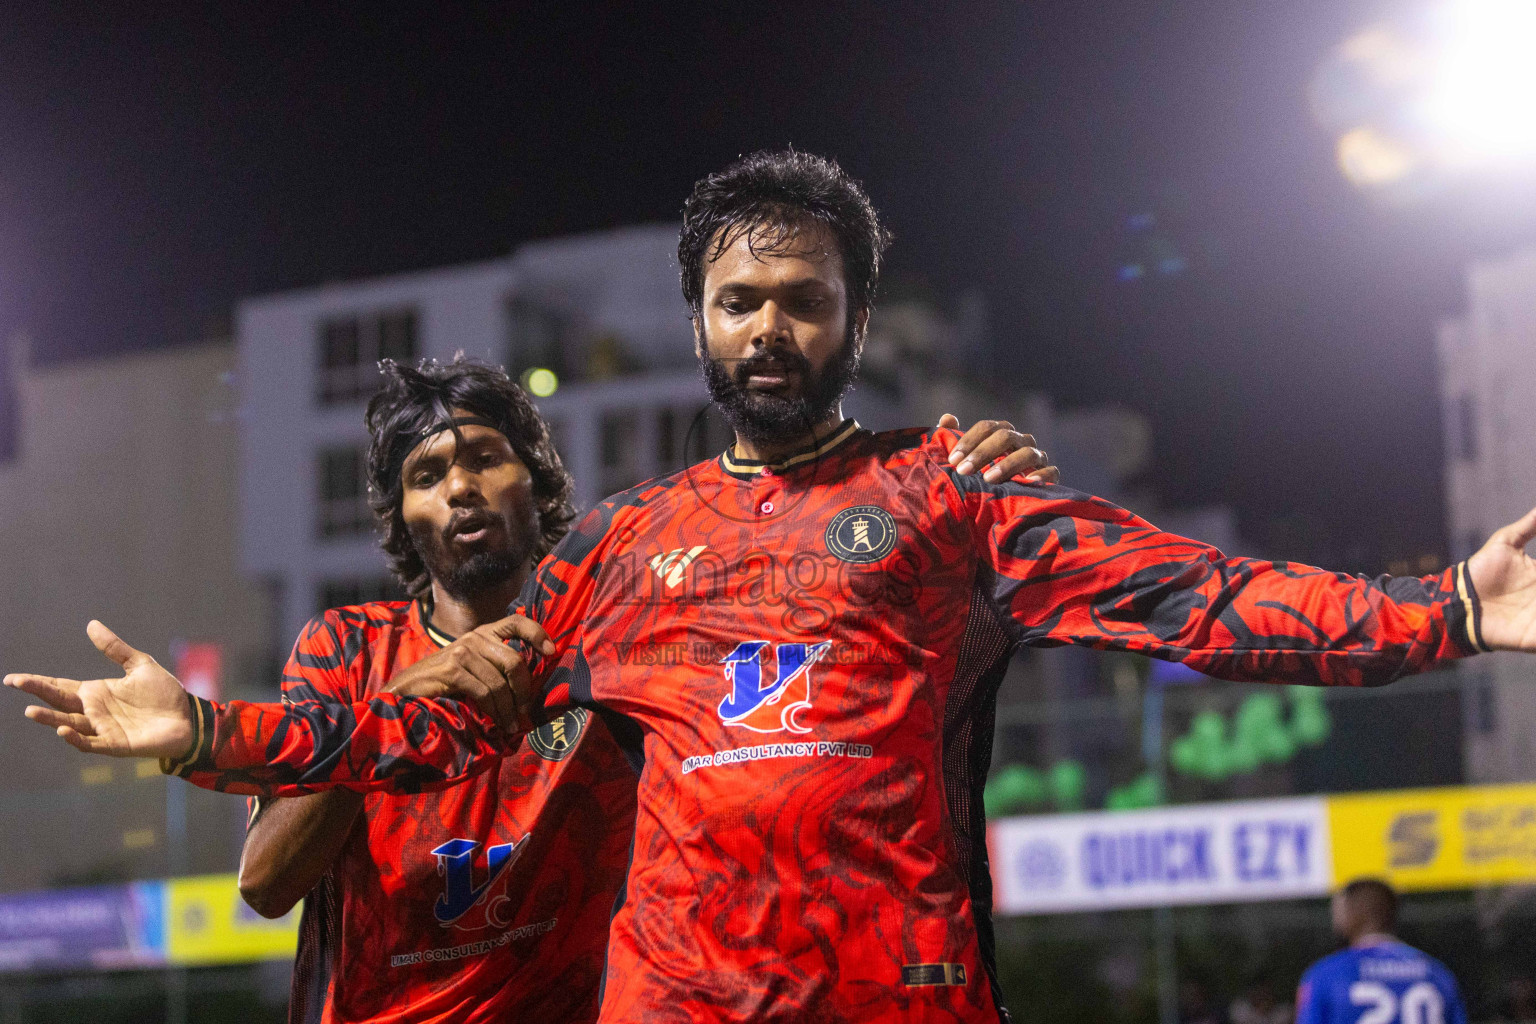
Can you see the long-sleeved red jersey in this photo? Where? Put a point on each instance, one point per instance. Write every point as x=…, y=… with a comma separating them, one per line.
x=803, y=660
x=462, y=905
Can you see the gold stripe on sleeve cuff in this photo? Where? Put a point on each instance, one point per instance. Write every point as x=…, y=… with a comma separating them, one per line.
x=1467, y=594
x=202, y=738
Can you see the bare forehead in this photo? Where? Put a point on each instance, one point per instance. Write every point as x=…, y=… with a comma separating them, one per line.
x=768, y=253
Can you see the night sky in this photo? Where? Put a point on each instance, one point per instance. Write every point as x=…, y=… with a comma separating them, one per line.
x=155, y=167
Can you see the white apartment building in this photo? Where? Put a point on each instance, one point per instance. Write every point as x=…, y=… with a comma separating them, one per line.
x=1488, y=397
x=594, y=309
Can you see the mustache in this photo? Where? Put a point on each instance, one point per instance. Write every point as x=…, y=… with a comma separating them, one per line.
x=471, y=520
x=769, y=362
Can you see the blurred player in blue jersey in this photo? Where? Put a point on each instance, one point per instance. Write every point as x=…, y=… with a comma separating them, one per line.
x=1377, y=980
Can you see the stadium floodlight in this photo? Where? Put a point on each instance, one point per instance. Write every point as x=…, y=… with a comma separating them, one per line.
x=1480, y=100
x=1419, y=101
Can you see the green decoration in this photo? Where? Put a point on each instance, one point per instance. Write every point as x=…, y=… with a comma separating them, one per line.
x=1016, y=788
x=1213, y=749
x=1277, y=746
x=1135, y=795
x=1068, y=782
x=1184, y=754
x=1258, y=716
x=1310, y=721
x=1242, y=756
x=1212, y=764
x=1208, y=726
x=1148, y=791
x=1311, y=725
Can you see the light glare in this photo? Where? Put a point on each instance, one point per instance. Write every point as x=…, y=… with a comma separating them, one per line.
x=1482, y=95
x=1371, y=159
x=541, y=383
x=1423, y=100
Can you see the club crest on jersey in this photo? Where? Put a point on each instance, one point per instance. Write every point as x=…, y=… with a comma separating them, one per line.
x=861, y=534
x=771, y=704
x=555, y=740
x=456, y=863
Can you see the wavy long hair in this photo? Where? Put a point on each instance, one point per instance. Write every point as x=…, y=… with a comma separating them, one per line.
x=412, y=400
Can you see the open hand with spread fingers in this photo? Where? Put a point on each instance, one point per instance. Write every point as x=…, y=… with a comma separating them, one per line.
x=143, y=713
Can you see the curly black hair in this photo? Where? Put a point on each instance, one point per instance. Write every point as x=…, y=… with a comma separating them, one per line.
x=769, y=196
x=414, y=399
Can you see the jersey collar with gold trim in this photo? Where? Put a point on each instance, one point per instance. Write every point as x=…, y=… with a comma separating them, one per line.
x=748, y=468
x=422, y=609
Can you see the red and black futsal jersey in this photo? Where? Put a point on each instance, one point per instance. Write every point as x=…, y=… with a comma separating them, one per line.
x=803, y=658
x=487, y=901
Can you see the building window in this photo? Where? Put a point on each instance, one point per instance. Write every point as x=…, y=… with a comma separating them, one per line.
x=689, y=434
x=343, y=487
x=705, y=434
x=618, y=455
x=537, y=338
x=1464, y=444
x=342, y=592
x=351, y=347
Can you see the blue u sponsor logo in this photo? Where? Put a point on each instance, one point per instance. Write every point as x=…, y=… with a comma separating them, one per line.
x=769, y=703
x=456, y=863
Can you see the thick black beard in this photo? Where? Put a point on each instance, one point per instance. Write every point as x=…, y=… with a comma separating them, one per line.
x=775, y=419
x=477, y=574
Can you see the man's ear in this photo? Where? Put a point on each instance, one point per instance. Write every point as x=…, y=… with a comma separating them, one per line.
x=698, y=335
x=860, y=328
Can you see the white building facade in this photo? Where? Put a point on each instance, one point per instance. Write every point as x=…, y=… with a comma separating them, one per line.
x=603, y=312
x=1488, y=398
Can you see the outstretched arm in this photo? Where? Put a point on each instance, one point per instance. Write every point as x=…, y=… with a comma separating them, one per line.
x=1504, y=578
x=1067, y=568
x=400, y=743
x=394, y=741
x=145, y=713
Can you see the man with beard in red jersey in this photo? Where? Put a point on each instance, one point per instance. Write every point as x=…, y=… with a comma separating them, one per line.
x=799, y=644
x=490, y=899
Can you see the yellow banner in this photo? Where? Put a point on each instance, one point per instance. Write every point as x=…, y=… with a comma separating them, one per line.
x=1452, y=838
x=206, y=922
